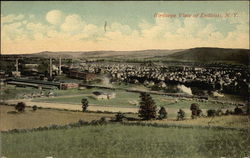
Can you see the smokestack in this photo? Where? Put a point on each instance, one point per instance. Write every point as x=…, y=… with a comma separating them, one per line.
x=16, y=65
x=50, y=67
x=60, y=65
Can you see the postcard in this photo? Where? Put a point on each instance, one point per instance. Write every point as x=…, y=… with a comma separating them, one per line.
x=124, y=79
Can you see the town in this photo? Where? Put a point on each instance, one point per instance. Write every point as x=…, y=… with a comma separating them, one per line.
x=124, y=79
x=204, y=77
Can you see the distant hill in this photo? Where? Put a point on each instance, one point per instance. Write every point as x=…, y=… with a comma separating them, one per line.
x=205, y=54
x=139, y=53
x=201, y=54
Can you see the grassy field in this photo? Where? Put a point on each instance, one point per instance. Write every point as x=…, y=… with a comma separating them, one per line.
x=127, y=99
x=12, y=92
x=45, y=117
x=42, y=117
x=230, y=121
x=120, y=141
x=123, y=98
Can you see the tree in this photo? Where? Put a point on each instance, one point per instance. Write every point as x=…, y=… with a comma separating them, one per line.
x=211, y=113
x=119, y=117
x=180, y=115
x=20, y=107
x=85, y=104
x=34, y=107
x=147, y=109
x=162, y=113
x=196, y=111
x=238, y=111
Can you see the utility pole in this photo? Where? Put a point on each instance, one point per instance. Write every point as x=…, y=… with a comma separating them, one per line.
x=60, y=65
x=50, y=67
x=16, y=65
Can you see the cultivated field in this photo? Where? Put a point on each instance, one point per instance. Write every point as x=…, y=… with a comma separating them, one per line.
x=127, y=99
x=183, y=139
x=42, y=117
x=121, y=141
x=46, y=117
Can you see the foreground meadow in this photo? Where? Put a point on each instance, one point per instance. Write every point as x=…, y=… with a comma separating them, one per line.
x=120, y=141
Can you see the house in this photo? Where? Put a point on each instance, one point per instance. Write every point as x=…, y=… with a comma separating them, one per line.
x=102, y=95
x=16, y=73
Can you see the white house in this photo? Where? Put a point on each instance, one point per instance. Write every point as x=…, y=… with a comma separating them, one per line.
x=102, y=95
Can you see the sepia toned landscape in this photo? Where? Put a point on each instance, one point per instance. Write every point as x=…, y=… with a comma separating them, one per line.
x=118, y=99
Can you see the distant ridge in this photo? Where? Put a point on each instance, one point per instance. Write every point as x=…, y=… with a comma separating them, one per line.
x=199, y=54
x=82, y=54
x=207, y=54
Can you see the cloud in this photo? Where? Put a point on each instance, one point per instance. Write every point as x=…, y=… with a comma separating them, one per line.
x=54, y=17
x=124, y=29
x=73, y=23
x=11, y=31
x=11, y=18
x=73, y=33
x=37, y=27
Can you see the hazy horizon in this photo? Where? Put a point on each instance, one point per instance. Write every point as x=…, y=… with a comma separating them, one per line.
x=141, y=50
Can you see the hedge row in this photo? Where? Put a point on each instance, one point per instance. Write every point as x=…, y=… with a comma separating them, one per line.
x=104, y=121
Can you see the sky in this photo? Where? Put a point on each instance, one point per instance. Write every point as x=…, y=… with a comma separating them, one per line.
x=31, y=27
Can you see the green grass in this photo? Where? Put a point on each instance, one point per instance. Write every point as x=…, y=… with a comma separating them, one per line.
x=12, y=92
x=71, y=92
x=122, y=98
x=120, y=141
x=126, y=99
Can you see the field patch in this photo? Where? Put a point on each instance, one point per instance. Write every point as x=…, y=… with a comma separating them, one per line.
x=120, y=141
x=46, y=117
x=42, y=117
x=127, y=99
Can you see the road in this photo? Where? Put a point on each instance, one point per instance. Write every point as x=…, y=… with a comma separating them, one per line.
x=91, y=107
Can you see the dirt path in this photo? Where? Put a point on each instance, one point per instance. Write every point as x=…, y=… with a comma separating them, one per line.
x=91, y=107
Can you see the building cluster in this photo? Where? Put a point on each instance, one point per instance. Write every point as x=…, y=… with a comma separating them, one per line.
x=215, y=78
x=224, y=78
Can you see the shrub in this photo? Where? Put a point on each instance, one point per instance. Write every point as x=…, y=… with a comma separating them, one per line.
x=155, y=88
x=229, y=112
x=81, y=122
x=219, y=112
x=196, y=111
x=101, y=121
x=180, y=115
x=20, y=107
x=162, y=113
x=85, y=104
x=147, y=109
x=238, y=111
x=211, y=113
x=34, y=107
x=119, y=117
